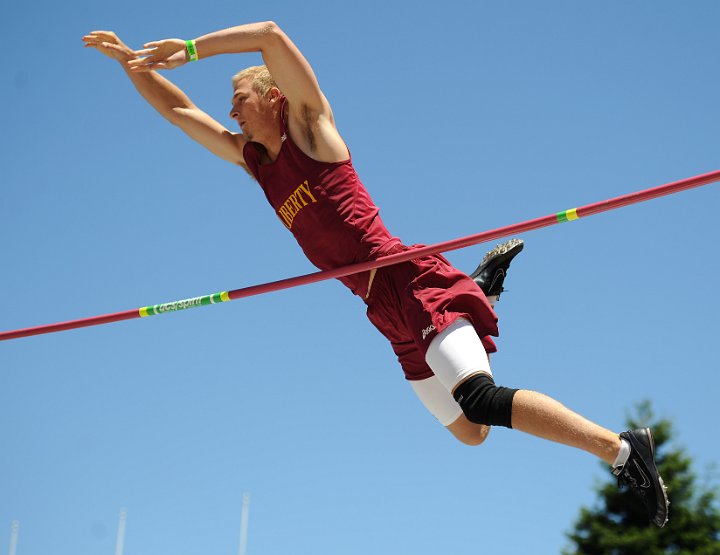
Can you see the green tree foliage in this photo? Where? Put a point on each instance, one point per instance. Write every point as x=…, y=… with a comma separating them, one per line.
x=618, y=524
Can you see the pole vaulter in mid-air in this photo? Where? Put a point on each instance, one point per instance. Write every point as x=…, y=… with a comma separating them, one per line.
x=439, y=321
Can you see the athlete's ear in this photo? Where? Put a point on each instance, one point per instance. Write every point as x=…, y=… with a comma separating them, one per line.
x=274, y=94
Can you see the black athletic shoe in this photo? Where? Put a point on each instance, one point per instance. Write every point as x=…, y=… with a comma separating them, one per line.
x=491, y=273
x=641, y=475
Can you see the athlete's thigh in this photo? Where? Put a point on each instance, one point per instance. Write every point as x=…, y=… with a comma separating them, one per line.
x=437, y=399
x=457, y=353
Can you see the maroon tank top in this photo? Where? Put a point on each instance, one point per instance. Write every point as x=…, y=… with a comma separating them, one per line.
x=324, y=205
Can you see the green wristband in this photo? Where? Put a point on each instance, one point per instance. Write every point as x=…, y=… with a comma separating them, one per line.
x=191, y=50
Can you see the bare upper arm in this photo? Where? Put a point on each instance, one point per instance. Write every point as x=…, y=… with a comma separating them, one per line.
x=311, y=121
x=292, y=72
x=210, y=133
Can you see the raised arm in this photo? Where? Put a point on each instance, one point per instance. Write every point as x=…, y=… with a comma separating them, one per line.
x=171, y=102
x=311, y=117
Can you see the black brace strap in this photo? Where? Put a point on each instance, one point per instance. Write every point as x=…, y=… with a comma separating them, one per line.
x=485, y=403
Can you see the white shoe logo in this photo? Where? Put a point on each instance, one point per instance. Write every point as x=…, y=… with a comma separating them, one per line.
x=427, y=331
x=646, y=481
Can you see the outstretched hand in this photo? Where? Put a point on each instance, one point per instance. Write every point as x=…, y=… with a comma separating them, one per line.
x=161, y=54
x=109, y=44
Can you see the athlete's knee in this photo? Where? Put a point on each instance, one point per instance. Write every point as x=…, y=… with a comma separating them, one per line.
x=468, y=432
x=483, y=402
x=476, y=436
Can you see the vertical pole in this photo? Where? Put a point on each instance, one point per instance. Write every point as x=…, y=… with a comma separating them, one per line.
x=244, y=524
x=14, y=532
x=120, y=543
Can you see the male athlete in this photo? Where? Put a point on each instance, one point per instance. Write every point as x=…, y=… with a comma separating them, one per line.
x=437, y=319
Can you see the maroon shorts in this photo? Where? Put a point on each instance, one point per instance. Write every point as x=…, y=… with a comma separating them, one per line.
x=410, y=303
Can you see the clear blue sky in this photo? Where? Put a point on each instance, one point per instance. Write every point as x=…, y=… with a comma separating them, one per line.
x=461, y=117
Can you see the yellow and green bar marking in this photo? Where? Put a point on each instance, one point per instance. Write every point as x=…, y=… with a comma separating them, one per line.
x=215, y=298
x=462, y=242
x=567, y=215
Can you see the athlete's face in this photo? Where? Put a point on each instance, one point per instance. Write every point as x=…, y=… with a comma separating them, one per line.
x=253, y=112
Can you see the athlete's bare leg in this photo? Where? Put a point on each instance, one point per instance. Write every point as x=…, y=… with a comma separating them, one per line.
x=541, y=416
x=533, y=412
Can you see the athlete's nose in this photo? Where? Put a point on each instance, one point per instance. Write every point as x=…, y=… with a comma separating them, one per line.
x=235, y=111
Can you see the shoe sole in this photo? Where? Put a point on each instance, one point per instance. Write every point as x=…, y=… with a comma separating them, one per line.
x=509, y=249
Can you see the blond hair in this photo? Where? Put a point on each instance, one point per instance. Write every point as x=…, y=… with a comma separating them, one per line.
x=260, y=79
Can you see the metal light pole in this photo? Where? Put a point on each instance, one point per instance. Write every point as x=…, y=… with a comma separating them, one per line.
x=244, y=524
x=120, y=543
x=14, y=532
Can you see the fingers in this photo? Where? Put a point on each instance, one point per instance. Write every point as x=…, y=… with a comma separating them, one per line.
x=141, y=64
x=160, y=54
x=144, y=62
x=108, y=45
x=148, y=66
x=166, y=46
x=95, y=44
x=148, y=56
x=90, y=40
x=107, y=36
x=145, y=52
x=101, y=39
